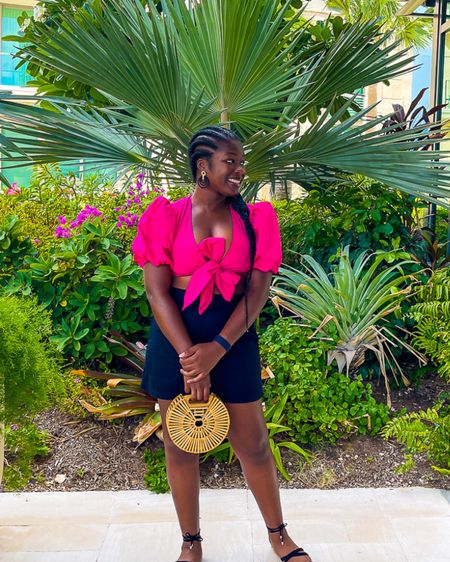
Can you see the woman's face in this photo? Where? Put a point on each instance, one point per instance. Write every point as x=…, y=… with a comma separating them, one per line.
x=225, y=169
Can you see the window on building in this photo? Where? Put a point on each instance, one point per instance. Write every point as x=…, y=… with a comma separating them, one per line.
x=446, y=79
x=9, y=26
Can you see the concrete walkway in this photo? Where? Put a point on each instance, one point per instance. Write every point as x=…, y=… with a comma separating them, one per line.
x=354, y=525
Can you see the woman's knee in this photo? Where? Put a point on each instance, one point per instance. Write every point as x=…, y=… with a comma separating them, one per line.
x=174, y=455
x=256, y=450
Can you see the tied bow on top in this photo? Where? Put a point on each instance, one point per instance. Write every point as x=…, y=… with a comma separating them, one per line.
x=211, y=274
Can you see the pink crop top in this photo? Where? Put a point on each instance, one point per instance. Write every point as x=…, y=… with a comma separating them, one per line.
x=166, y=236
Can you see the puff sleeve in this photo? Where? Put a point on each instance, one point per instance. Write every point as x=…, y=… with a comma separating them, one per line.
x=154, y=234
x=268, y=241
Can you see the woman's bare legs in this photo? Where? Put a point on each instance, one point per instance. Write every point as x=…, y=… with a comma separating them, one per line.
x=249, y=439
x=183, y=474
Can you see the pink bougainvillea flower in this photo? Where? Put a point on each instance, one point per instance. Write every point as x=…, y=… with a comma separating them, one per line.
x=14, y=189
x=36, y=241
x=61, y=232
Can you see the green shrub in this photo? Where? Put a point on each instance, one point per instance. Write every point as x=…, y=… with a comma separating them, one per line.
x=322, y=404
x=425, y=431
x=432, y=316
x=79, y=264
x=179, y=191
x=22, y=445
x=356, y=212
x=29, y=364
x=15, y=248
x=52, y=194
x=352, y=306
x=156, y=478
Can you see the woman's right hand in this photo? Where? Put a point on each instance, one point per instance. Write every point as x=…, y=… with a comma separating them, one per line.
x=199, y=390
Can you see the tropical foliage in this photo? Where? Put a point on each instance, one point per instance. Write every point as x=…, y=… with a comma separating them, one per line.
x=349, y=306
x=125, y=84
x=426, y=431
x=429, y=251
x=71, y=248
x=124, y=396
x=412, y=32
x=369, y=217
x=319, y=404
x=280, y=437
x=171, y=78
x=431, y=314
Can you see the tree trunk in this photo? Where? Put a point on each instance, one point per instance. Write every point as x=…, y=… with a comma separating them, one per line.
x=280, y=190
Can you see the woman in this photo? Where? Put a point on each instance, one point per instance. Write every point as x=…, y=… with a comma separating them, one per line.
x=208, y=262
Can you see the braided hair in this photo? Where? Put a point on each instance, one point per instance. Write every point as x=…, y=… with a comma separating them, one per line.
x=203, y=144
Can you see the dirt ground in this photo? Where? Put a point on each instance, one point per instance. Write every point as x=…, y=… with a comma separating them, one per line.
x=88, y=454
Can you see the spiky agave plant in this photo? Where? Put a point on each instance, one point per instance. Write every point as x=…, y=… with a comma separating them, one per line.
x=349, y=306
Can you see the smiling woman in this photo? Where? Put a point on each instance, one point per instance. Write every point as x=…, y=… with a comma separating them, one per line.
x=208, y=262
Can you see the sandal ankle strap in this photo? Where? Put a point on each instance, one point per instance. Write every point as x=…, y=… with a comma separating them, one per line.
x=187, y=537
x=279, y=529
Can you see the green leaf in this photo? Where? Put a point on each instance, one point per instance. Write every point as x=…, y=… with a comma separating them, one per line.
x=122, y=289
x=81, y=334
x=89, y=350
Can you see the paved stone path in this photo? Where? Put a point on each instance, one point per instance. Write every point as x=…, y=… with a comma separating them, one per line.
x=353, y=525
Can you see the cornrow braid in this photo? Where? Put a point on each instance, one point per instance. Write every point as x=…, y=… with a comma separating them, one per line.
x=240, y=206
x=202, y=145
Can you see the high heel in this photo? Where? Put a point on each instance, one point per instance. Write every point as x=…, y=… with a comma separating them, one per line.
x=293, y=553
x=187, y=537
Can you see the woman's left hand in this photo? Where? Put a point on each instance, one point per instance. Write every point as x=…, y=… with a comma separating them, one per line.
x=199, y=360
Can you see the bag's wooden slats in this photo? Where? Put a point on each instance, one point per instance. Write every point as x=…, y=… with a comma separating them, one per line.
x=181, y=423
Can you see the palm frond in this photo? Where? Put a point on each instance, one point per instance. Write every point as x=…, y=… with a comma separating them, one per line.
x=357, y=59
x=395, y=160
x=44, y=136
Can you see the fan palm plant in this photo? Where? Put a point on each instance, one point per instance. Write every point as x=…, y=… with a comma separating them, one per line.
x=348, y=307
x=167, y=74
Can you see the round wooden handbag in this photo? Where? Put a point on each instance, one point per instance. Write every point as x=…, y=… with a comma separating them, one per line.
x=197, y=427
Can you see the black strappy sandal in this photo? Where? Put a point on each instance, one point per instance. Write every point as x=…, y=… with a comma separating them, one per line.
x=187, y=537
x=295, y=552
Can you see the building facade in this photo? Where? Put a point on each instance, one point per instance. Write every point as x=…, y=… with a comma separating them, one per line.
x=12, y=80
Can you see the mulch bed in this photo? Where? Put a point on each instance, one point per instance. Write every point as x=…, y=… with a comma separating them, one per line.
x=88, y=454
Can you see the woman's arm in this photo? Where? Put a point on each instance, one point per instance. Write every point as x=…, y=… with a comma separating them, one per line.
x=257, y=295
x=203, y=357
x=157, y=281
